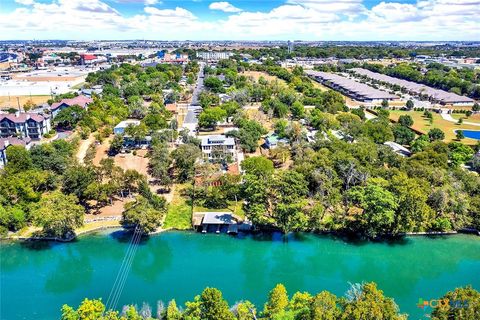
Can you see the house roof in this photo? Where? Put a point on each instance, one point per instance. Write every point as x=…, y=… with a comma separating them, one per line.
x=172, y=107
x=23, y=117
x=217, y=140
x=440, y=95
x=351, y=85
x=81, y=100
x=218, y=218
x=5, y=142
x=89, y=56
x=126, y=123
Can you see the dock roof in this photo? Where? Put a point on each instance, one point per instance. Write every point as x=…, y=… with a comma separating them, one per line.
x=218, y=218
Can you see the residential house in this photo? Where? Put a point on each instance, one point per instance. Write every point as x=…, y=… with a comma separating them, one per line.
x=12, y=141
x=120, y=128
x=23, y=124
x=218, y=147
x=398, y=149
x=272, y=141
x=81, y=101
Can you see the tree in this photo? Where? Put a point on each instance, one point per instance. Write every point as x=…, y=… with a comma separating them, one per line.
x=405, y=120
x=476, y=107
x=214, y=84
x=277, y=301
x=28, y=105
x=76, y=180
x=298, y=110
x=460, y=121
x=160, y=163
x=384, y=104
x=58, y=214
x=378, y=206
x=367, y=302
x=324, y=307
x=409, y=105
x=172, y=312
x=185, y=157
x=360, y=112
x=116, y=145
x=258, y=166
x=403, y=135
x=18, y=159
x=459, y=135
x=69, y=117
x=213, y=306
x=378, y=130
x=142, y=214
x=459, y=153
x=289, y=189
x=436, y=134
x=249, y=133
x=209, y=117
x=461, y=303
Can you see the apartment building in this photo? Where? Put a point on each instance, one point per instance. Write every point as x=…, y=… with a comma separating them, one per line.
x=22, y=124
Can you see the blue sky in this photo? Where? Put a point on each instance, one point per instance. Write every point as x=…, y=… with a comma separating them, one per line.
x=240, y=19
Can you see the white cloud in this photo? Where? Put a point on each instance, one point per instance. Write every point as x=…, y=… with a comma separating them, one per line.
x=302, y=19
x=25, y=2
x=146, y=2
x=224, y=6
x=169, y=13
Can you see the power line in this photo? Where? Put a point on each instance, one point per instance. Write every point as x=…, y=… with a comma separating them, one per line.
x=127, y=261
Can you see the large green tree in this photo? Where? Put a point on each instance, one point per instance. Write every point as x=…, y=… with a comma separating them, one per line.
x=58, y=214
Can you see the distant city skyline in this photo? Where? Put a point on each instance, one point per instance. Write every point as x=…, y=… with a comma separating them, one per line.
x=316, y=20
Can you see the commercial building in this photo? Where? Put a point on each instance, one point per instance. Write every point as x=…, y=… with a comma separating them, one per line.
x=12, y=141
x=214, y=55
x=81, y=101
x=22, y=124
x=218, y=147
x=434, y=95
x=351, y=88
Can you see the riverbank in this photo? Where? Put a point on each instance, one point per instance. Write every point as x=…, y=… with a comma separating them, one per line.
x=184, y=263
x=115, y=224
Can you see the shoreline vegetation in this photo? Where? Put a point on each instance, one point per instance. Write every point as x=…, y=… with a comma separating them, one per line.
x=361, y=301
x=160, y=230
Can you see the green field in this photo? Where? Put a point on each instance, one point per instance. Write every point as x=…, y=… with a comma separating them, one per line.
x=422, y=124
x=234, y=207
x=179, y=213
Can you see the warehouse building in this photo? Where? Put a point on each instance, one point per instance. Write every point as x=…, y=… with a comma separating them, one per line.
x=351, y=88
x=434, y=95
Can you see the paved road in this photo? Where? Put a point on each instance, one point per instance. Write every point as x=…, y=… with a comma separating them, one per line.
x=448, y=117
x=198, y=86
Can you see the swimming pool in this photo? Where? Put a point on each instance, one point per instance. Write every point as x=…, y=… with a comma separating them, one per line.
x=472, y=134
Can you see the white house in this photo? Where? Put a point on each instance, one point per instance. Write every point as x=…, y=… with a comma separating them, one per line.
x=218, y=147
x=120, y=128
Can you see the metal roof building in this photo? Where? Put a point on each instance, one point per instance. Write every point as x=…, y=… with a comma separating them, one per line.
x=352, y=88
x=436, y=95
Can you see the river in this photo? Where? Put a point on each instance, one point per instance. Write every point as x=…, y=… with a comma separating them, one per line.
x=38, y=277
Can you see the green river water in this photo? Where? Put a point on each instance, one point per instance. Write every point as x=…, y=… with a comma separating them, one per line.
x=37, y=278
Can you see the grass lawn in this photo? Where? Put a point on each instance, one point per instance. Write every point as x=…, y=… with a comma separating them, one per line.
x=422, y=124
x=97, y=225
x=7, y=102
x=475, y=118
x=237, y=209
x=179, y=213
